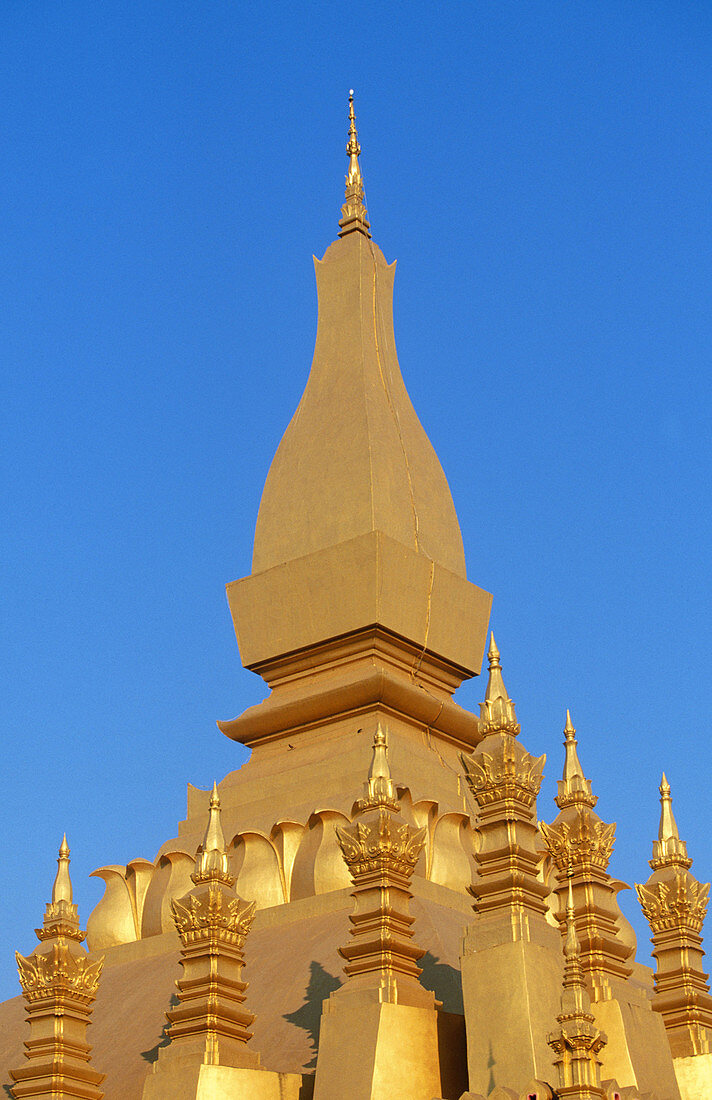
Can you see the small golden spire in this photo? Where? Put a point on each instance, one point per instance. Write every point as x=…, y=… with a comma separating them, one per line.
x=497, y=713
x=211, y=862
x=574, y=1000
x=668, y=825
x=574, y=787
x=380, y=788
x=61, y=914
x=62, y=888
x=668, y=849
x=353, y=212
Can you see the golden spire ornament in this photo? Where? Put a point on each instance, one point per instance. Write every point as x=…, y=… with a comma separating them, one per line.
x=353, y=212
x=380, y=789
x=210, y=1025
x=674, y=904
x=59, y=982
x=574, y=788
x=577, y=1043
x=497, y=713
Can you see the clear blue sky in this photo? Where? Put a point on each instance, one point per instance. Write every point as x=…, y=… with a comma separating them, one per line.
x=542, y=173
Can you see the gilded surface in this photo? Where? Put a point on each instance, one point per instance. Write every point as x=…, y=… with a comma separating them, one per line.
x=507, y=773
x=353, y=212
x=213, y=911
x=60, y=972
x=679, y=902
x=585, y=841
x=381, y=845
x=59, y=983
x=675, y=904
x=497, y=713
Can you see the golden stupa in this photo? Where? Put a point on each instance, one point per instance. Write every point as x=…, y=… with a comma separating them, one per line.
x=370, y=908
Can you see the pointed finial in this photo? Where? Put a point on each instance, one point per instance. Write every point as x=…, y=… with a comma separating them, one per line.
x=668, y=848
x=575, y=1001
x=62, y=888
x=380, y=788
x=574, y=788
x=353, y=212
x=211, y=863
x=61, y=915
x=497, y=713
x=668, y=826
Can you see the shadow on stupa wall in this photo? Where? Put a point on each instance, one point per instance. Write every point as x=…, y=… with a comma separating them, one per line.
x=151, y=1055
x=321, y=985
x=444, y=981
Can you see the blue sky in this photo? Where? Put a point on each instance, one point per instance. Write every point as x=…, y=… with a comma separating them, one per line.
x=541, y=171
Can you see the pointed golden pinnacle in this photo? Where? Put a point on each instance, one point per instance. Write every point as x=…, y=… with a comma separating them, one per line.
x=497, y=713
x=668, y=826
x=493, y=653
x=211, y=862
x=62, y=888
x=380, y=788
x=668, y=849
x=353, y=212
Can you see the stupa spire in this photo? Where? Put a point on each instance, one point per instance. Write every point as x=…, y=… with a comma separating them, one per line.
x=62, y=888
x=59, y=982
x=577, y=1042
x=380, y=788
x=353, y=212
x=497, y=713
x=674, y=904
x=357, y=538
x=668, y=849
x=211, y=864
x=574, y=788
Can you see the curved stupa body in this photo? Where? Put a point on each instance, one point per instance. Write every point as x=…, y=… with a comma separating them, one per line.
x=355, y=458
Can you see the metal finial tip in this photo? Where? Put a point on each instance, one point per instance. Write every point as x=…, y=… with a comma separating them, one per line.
x=569, y=727
x=64, y=847
x=493, y=652
x=351, y=93
x=379, y=738
x=214, y=797
x=664, y=785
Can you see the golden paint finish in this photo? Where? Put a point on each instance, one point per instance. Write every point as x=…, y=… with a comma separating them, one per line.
x=505, y=781
x=59, y=982
x=353, y=212
x=209, y=1026
x=381, y=853
x=580, y=844
x=577, y=1042
x=379, y=1032
x=511, y=956
x=674, y=904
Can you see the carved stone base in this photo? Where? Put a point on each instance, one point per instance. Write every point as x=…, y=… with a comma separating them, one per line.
x=377, y=1051
x=637, y=1053
x=694, y=1076
x=181, y=1081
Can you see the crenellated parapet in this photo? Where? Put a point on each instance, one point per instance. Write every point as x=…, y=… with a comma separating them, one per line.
x=59, y=982
x=580, y=845
x=505, y=780
x=674, y=904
